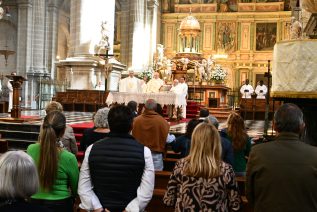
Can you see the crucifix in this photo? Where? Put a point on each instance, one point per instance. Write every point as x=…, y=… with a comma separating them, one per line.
x=107, y=66
x=103, y=49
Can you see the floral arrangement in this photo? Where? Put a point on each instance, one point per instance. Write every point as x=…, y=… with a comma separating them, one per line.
x=218, y=74
x=146, y=73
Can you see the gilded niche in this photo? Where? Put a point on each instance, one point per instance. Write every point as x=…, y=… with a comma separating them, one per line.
x=226, y=36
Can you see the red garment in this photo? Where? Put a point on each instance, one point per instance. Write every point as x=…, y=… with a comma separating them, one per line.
x=151, y=130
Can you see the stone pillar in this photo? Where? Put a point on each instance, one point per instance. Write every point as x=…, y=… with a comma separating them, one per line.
x=139, y=32
x=24, y=47
x=85, y=24
x=91, y=28
x=38, y=36
x=153, y=8
x=52, y=36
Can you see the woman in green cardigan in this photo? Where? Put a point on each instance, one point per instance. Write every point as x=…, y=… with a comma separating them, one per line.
x=58, y=168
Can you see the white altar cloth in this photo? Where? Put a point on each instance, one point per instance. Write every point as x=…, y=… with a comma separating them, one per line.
x=163, y=98
x=294, y=69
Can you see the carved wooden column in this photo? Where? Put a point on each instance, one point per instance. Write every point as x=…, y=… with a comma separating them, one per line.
x=16, y=82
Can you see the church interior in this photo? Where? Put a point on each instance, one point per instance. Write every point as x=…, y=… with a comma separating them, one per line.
x=76, y=52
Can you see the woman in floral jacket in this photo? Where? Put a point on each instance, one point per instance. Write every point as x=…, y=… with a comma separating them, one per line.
x=201, y=181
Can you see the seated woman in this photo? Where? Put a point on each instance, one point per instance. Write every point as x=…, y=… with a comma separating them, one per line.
x=182, y=143
x=57, y=168
x=18, y=181
x=99, y=131
x=203, y=169
x=240, y=140
x=68, y=139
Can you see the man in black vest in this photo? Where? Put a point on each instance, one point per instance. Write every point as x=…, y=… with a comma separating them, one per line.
x=117, y=173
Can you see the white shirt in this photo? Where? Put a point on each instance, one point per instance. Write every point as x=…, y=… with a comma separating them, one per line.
x=184, y=91
x=178, y=90
x=130, y=84
x=258, y=89
x=246, y=91
x=154, y=85
x=90, y=201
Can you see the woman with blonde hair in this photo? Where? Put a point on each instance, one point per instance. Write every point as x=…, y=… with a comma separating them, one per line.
x=202, y=181
x=240, y=140
x=58, y=168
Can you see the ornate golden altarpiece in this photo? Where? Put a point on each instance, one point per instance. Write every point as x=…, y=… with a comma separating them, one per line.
x=246, y=33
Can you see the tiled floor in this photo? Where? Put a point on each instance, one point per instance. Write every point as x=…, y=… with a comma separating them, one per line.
x=254, y=128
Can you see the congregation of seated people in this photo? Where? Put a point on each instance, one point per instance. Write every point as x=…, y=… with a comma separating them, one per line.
x=124, y=151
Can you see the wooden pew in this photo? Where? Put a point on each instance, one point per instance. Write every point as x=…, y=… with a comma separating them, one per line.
x=4, y=146
x=169, y=163
x=81, y=100
x=161, y=179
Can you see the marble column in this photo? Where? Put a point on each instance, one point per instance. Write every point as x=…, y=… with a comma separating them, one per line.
x=85, y=24
x=38, y=36
x=153, y=10
x=91, y=27
x=24, y=47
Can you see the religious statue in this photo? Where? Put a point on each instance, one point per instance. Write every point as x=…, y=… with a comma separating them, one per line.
x=201, y=71
x=296, y=29
x=185, y=62
x=160, y=52
x=104, y=43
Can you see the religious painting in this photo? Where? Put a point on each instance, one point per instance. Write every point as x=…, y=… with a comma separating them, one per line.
x=265, y=36
x=226, y=36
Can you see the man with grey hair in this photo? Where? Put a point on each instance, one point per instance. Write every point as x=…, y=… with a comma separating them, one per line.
x=151, y=130
x=282, y=174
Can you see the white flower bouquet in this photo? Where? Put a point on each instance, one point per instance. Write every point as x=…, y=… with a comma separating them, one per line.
x=146, y=73
x=218, y=73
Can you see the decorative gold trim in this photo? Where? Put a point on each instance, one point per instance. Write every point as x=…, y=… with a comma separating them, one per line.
x=289, y=94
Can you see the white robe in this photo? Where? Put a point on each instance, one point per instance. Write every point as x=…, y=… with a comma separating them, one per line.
x=258, y=89
x=183, y=103
x=154, y=85
x=246, y=91
x=130, y=85
x=10, y=88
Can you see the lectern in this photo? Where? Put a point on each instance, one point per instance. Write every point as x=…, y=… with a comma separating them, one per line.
x=16, y=82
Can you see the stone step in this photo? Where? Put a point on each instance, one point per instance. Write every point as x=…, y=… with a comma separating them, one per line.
x=19, y=144
x=19, y=127
x=13, y=134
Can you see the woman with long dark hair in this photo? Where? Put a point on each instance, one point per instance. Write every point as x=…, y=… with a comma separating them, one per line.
x=57, y=168
x=240, y=140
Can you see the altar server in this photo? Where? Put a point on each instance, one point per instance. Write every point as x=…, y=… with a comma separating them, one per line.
x=261, y=90
x=246, y=90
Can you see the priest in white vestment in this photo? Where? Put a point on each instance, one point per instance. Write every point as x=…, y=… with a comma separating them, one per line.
x=261, y=90
x=154, y=85
x=130, y=84
x=246, y=90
